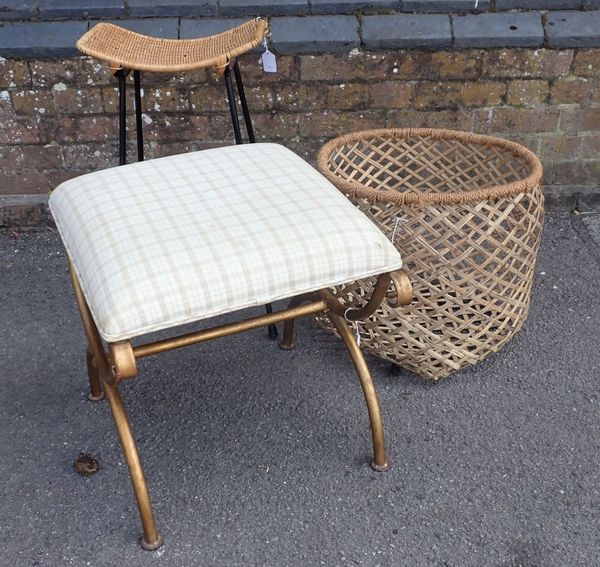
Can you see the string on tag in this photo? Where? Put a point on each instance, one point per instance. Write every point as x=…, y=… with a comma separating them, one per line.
x=398, y=220
x=354, y=324
x=476, y=3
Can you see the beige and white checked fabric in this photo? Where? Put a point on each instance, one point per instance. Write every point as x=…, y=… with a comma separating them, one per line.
x=178, y=239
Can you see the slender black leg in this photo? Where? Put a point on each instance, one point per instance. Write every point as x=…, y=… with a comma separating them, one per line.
x=121, y=74
x=245, y=110
x=232, y=106
x=138, y=115
x=238, y=134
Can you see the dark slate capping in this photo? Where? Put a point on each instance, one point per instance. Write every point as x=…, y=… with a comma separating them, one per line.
x=77, y=9
x=263, y=8
x=445, y=6
x=351, y=6
x=158, y=27
x=498, y=30
x=17, y=9
x=573, y=29
x=406, y=31
x=172, y=8
x=538, y=4
x=190, y=29
x=42, y=40
x=314, y=34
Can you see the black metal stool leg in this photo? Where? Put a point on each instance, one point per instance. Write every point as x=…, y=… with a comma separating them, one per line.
x=238, y=134
x=121, y=74
x=232, y=106
x=138, y=115
x=244, y=102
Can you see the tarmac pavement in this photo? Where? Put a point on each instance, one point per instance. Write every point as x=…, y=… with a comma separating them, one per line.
x=257, y=456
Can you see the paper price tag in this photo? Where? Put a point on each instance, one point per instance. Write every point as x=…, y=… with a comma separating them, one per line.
x=269, y=62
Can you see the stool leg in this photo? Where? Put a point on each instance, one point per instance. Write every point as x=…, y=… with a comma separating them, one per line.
x=121, y=74
x=96, y=394
x=138, y=115
x=243, y=101
x=151, y=539
x=232, y=106
x=380, y=462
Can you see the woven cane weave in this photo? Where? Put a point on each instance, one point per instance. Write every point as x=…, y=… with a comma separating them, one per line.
x=466, y=211
x=125, y=49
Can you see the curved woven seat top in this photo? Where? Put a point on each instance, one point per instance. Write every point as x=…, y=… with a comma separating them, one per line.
x=125, y=49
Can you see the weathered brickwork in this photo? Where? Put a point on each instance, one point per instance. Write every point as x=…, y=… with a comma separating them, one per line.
x=58, y=119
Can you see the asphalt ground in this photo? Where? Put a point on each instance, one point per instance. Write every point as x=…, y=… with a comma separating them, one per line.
x=256, y=456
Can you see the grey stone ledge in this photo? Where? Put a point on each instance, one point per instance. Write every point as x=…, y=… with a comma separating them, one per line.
x=573, y=29
x=81, y=9
x=167, y=28
x=263, y=8
x=406, y=31
x=445, y=6
x=498, y=30
x=538, y=4
x=43, y=39
x=17, y=9
x=189, y=29
x=315, y=34
x=172, y=8
x=351, y=6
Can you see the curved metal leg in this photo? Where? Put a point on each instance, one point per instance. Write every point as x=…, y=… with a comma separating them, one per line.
x=287, y=342
x=379, y=462
x=151, y=539
x=96, y=394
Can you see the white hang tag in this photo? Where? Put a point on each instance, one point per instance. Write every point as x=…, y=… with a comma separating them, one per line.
x=269, y=62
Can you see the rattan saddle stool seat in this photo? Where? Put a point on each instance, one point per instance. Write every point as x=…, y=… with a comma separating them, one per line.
x=125, y=49
x=176, y=240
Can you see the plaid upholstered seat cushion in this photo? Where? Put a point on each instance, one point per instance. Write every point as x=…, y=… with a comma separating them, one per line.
x=173, y=240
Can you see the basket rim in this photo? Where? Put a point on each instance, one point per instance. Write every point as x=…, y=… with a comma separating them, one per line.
x=430, y=198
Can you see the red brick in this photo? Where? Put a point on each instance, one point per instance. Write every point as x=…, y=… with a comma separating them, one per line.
x=483, y=93
x=19, y=131
x=560, y=147
x=110, y=100
x=451, y=119
x=91, y=156
x=580, y=119
x=176, y=128
x=209, y=98
x=261, y=98
x=31, y=157
x=275, y=126
x=526, y=63
x=391, y=94
x=590, y=146
x=48, y=73
x=577, y=173
x=301, y=96
x=336, y=68
x=456, y=64
x=327, y=124
x=526, y=92
x=587, y=63
x=94, y=73
x=165, y=99
x=58, y=176
x=347, y=96
x=524, y=120
x=79, y=129
x=14, y=74
x=38, y=101
x=23, y=182
x=438, y=95
x=571, y=90
x=78, y=101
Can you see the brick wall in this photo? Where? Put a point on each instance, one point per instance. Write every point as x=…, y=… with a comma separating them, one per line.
x=58, y=118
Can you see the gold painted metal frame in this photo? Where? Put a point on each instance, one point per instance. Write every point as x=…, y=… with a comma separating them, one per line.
x=108, y=367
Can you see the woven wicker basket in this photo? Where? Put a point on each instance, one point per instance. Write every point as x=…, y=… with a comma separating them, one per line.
x=466, y=211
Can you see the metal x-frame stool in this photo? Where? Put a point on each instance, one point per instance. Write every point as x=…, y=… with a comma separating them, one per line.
x=126, y=51
x=176, y=240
